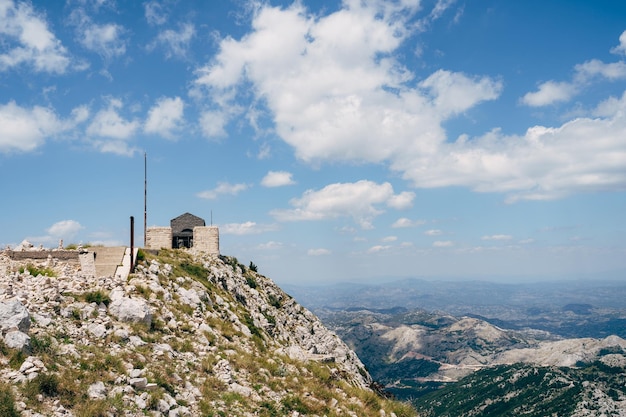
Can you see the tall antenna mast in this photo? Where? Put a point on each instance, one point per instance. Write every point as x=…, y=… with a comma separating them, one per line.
x=145, y=197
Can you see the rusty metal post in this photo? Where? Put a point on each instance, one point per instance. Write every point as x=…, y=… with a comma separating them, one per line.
x=132, y=244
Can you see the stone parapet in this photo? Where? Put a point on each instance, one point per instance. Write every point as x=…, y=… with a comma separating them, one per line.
x=207, y=239
x=158, y=237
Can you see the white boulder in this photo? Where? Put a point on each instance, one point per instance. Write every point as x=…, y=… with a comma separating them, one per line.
x=131, y=310
x=13, y=315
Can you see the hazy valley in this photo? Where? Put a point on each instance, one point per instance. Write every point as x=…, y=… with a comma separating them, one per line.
x=418, y=337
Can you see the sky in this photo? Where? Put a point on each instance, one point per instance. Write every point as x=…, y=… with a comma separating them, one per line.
x=354, y=141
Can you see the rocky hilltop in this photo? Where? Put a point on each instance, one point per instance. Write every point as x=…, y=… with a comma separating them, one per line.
x=185, y=334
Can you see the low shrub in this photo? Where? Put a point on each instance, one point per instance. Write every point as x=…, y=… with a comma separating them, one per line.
x=7, y=402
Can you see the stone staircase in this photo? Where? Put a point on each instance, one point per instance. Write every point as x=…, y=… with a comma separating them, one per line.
x=107, y=259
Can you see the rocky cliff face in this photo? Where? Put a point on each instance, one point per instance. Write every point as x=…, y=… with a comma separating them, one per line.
x=185, y=334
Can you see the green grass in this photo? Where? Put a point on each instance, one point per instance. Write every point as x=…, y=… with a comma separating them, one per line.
x=7, y=402
x=36, y=271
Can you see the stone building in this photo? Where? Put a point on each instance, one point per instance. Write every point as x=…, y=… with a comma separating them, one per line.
x=185, y=231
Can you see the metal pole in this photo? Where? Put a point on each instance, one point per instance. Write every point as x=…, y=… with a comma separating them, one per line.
x=132, y=243
x=145, y=197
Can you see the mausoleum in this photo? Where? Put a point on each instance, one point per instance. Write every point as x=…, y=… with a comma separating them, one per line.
x=185, y=231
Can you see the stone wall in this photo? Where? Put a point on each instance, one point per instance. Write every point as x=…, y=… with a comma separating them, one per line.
x=63, y=255
x=207, y=239
x=158, y=237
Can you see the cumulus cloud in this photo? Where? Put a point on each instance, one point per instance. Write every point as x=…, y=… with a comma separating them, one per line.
x=223, y=188
x=582, y=155
x=550, y=92
x=318, y=252
x=443, y=244
x=621, y=48
x=24, y=129
x=358, y=200
x=404, y=222
x=390, y=238
x=213, y=123
x=341, y=95
x=165, y=117
x=35, y=45
x=246, y=228
x=277, y=179
x=65, y=229
x=175, y=43
x=109, y=123
x=106, y=39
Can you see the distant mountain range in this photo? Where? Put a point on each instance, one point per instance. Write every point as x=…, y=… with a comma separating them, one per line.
x=486, y=349
x=563, y=308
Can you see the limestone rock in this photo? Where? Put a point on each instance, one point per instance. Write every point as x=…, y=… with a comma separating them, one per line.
x=13, y=315
x=17, y=340
x=97, y=391
x=131, y=310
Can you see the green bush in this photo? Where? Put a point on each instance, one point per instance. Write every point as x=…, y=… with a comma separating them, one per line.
x=98, y=297
x=251, y=281
x=35, y=271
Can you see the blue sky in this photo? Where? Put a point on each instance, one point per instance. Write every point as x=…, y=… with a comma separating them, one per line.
x=330, y=141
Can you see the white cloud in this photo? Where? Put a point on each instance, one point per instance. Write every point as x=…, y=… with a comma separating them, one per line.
x=36, y=45
x=433, y=232
x=246, y=228
x=155, y=13
x=106, y=39
x=621, y=48
x=443, y=243
x=109, y=124
x=340, y=95
x=403, y=222
x=378, y=248
x=455, y=92
x=23, y=129
x=165, y=117
x=401, y=201
x=318, y=252
x=596, y=68
x=65, y=229
x=357, y=200
x=582, y=155
x=223, y=188
x=497, y=237
x=271, y=245
x=212, y=124
x=390, y=238
x=550, y=92
x=277, y=179
x=175, y=43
